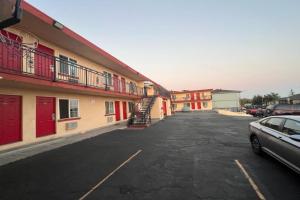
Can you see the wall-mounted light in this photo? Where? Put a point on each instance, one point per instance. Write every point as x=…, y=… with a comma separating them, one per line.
x=58, y=25
x=1, y=77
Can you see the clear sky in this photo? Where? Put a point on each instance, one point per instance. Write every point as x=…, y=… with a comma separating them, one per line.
x=249, y=45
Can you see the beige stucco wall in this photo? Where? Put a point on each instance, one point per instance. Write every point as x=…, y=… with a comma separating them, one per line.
x=157, y=111
x=181, y=105
x=91, y=112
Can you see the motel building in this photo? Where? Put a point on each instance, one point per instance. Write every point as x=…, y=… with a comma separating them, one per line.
x=55, y=83
x=191, y=100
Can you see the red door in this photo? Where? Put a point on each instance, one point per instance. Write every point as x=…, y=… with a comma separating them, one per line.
x=10, y=119
x=117, y=110
x=11, y=53
x=43, y=62
x=123, y=85
x=116, y=83
x=192, y=100
x=124, y=110
x=199, y=105
x=45, y=116
x=165, y=107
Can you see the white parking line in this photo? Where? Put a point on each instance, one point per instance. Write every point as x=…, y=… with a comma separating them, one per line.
x=109, y=175
x=252, y=183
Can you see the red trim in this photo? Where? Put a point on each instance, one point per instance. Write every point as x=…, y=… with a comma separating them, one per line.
x=189, y=91
x=183, y=101
x=68, y=119
x=41, y=82
x=47, y=19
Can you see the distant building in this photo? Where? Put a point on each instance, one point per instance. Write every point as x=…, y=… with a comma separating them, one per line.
x=191, y=100
x=226, y=99
x=294, y=99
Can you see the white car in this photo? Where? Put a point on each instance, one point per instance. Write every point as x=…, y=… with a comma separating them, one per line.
x=278, y=136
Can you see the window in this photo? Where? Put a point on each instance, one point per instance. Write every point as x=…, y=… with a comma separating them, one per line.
x=291, y=127
x=68, y=108
x=109, y=108
x=131, y=106
x=187, y=96
x=73, y=68
x=108, y=79
x=263, y=122
x=186, y=105
x=173, y=96
x=205, y=104
x=63, y=67
x=274, y=123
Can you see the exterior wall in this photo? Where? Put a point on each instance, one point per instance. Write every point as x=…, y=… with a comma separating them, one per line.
x=183, y=98
x=91, y=113
x=29, y=39
x=169, y=111
x=226, y=100
x=157, y=111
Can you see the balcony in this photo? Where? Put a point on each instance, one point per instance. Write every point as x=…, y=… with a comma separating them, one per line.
x=189, y=99
x=22, y=60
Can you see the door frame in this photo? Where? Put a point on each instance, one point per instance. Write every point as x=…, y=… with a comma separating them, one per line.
x=55, y=121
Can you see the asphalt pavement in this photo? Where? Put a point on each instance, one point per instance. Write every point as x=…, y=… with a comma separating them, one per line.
x=186, y=156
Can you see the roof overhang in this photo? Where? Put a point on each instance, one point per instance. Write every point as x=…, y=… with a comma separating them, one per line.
x=40, y=24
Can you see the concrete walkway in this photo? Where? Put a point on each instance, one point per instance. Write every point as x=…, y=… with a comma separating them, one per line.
x=12, y=155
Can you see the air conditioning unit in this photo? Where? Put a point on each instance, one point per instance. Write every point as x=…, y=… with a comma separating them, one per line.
x=110, y=119
x=71, y=125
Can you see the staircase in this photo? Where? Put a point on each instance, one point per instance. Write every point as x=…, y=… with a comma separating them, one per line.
x=141, y=117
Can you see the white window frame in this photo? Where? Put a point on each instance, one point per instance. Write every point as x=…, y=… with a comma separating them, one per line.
x=69, y=108
x=111, y=111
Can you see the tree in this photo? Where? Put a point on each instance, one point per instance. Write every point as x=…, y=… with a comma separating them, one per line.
x=257, y=100
x=291, y=92
x=271, y=98
x=244, y=101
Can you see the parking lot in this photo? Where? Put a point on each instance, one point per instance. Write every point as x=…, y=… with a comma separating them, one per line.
x=186, y=156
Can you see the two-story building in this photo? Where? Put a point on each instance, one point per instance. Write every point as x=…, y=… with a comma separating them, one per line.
x=191, y=100
x=55, y=83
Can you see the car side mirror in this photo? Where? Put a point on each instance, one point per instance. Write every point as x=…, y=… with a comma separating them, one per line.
x=295, y=137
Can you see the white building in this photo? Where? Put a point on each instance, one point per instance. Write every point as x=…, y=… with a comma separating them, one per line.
x=226, y=99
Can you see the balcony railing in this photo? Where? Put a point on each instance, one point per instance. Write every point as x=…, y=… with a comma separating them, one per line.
x=188, y=98
x=23, y=60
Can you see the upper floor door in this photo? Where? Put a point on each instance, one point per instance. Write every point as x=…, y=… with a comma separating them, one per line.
x=44, y=62
x=10, y=52
x=116, y=83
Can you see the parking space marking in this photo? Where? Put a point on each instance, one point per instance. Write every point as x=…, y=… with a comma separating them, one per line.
x=109, y=175
x=252, y=183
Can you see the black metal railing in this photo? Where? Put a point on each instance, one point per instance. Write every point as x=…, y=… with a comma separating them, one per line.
x=20, y=59
x=142, y=116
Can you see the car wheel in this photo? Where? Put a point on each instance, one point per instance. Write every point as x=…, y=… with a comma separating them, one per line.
x=255, y=144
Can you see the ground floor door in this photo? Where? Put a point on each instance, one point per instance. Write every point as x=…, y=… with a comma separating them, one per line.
x=10, y=119
x=117, y=110
x=124, y=110
x=199, y=105
x=193, y=105
x=165, y=107
x=45, y=116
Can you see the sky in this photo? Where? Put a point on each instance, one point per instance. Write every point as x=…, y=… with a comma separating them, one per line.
x=247, y=45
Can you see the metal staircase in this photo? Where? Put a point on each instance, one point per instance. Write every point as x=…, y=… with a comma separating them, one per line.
x=141, y=116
